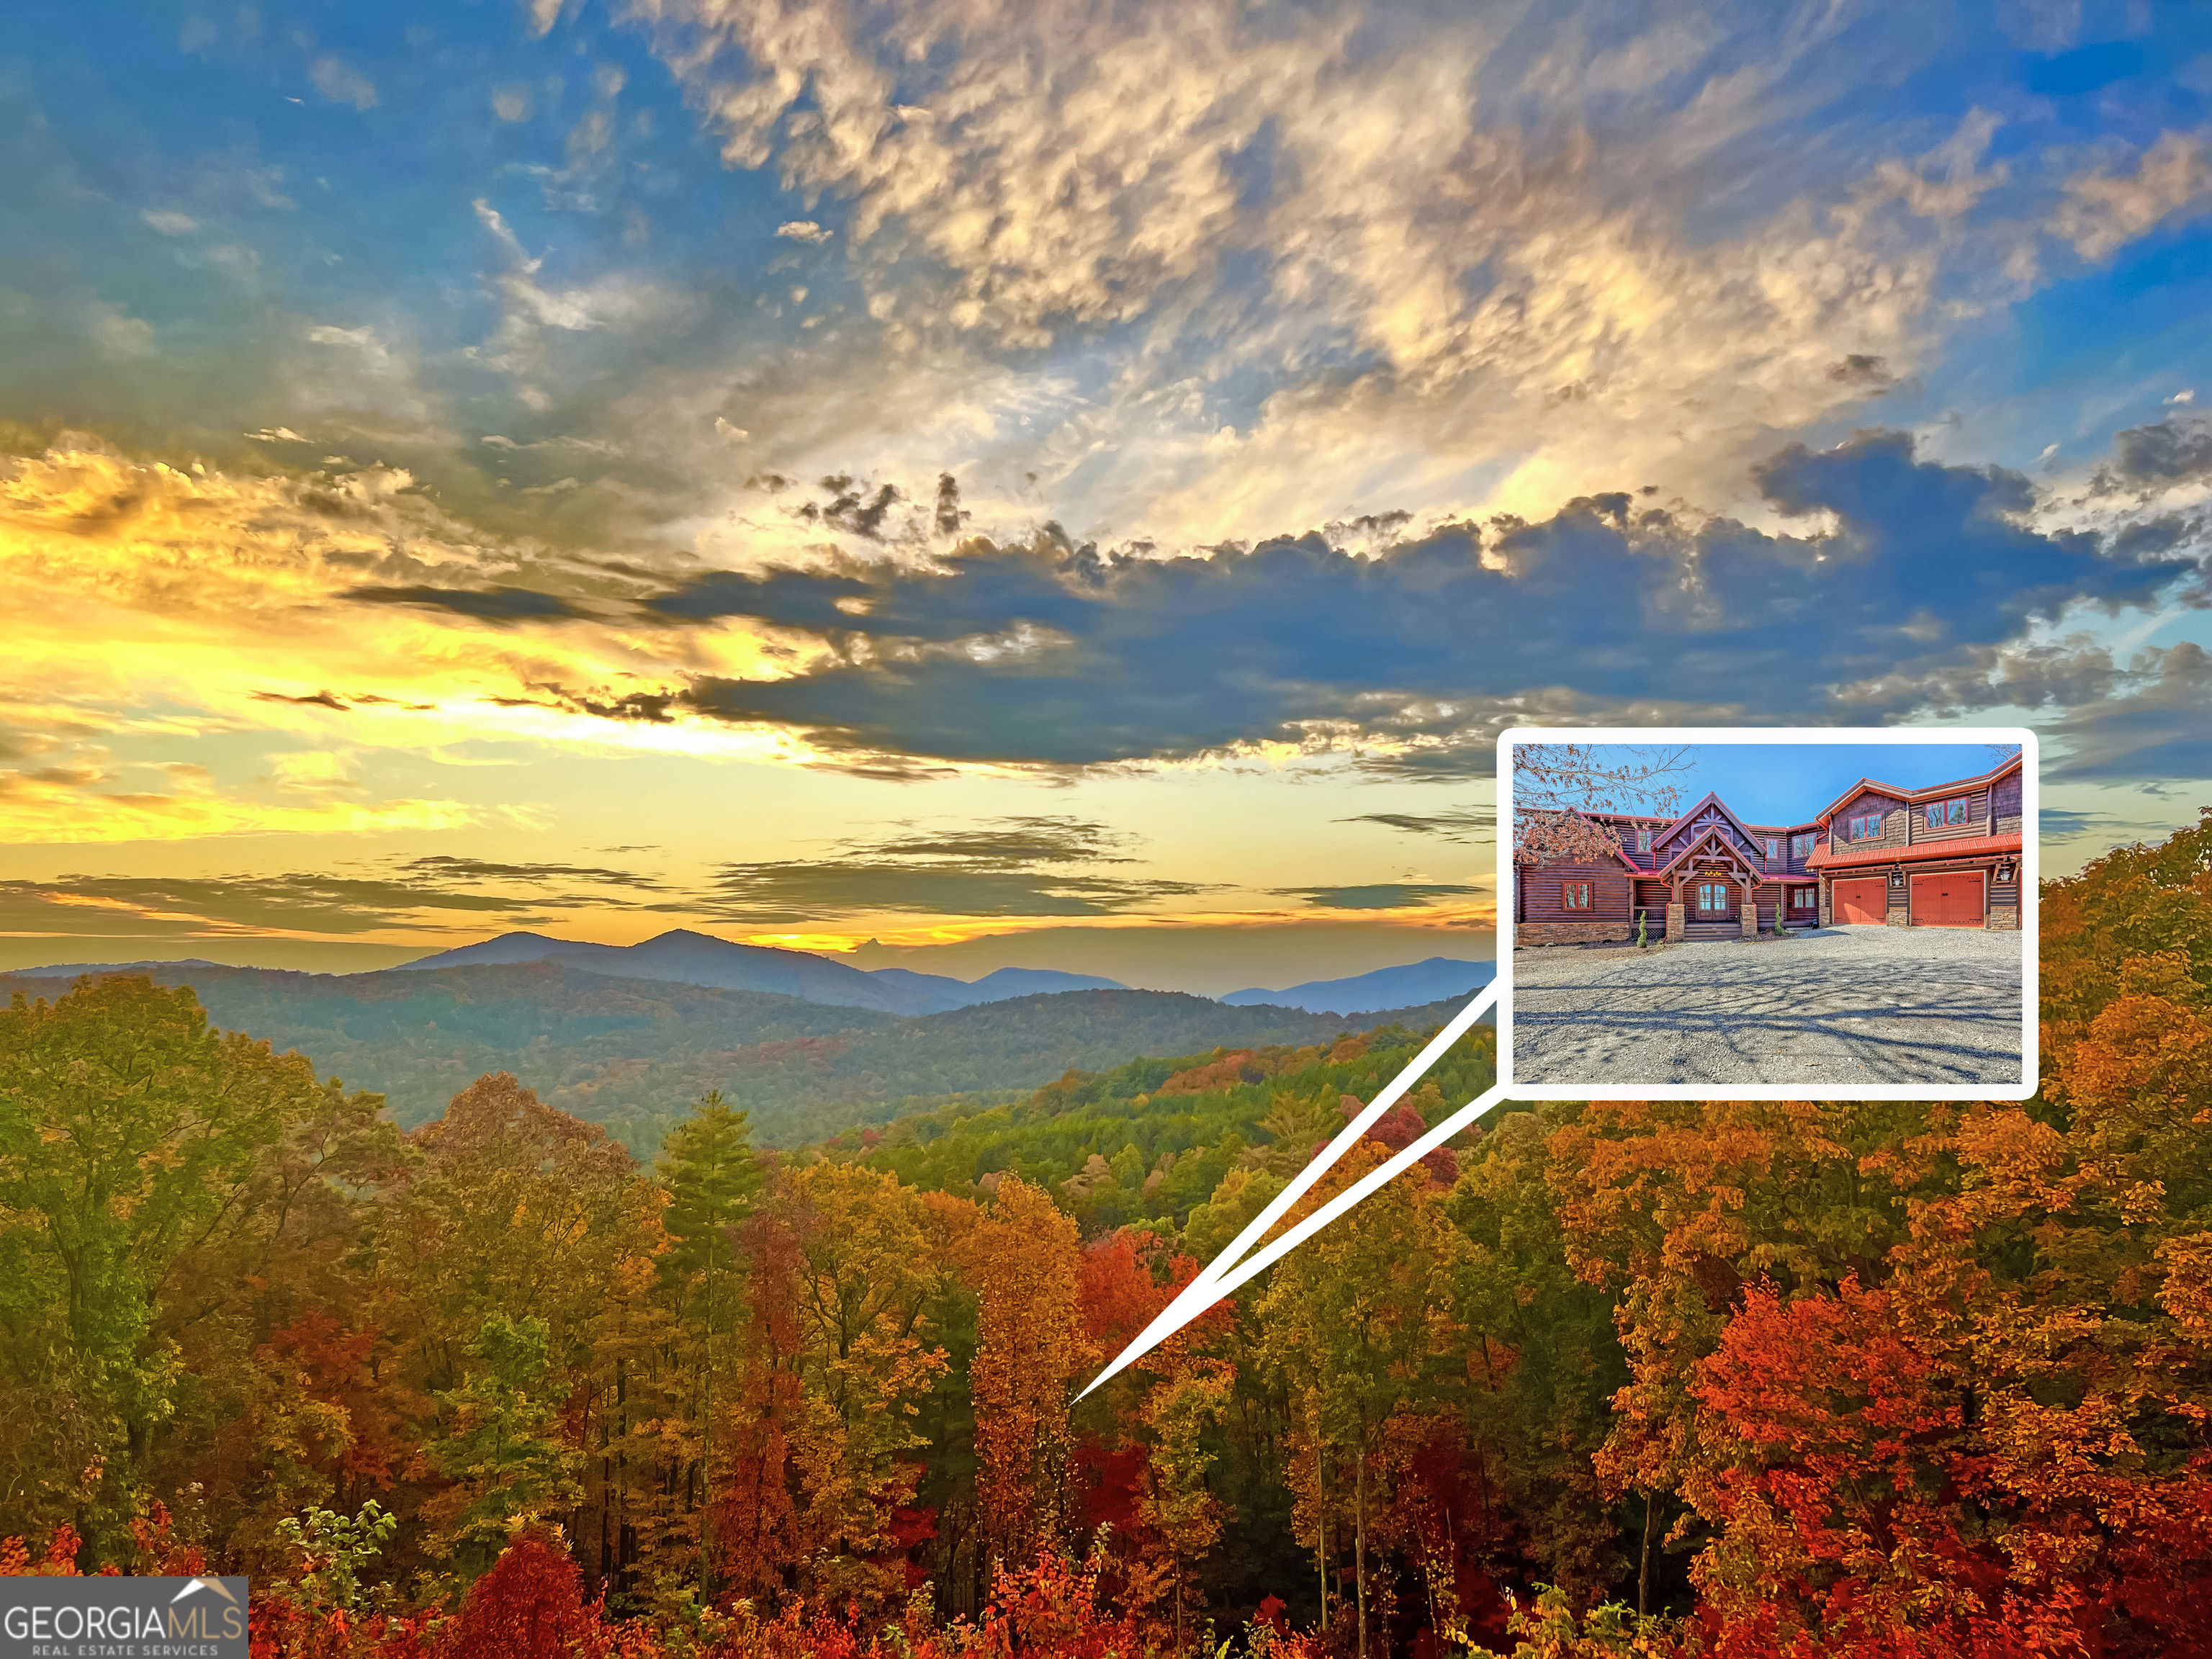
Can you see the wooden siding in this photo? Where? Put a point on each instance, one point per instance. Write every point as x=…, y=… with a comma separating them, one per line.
x=1976, y=823
x=2005, y=805
x=1625, y=828
x=1772, y=895
x=1896, y=825
x=1539, y=892
x=1787, y=864
x=2005, y=894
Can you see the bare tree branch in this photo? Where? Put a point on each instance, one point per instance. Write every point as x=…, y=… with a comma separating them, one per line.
x=1554, y=784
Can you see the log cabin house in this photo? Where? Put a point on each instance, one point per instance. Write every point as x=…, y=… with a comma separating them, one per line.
x=1877, y=855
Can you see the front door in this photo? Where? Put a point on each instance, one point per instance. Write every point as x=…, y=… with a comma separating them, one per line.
x=1712, y=900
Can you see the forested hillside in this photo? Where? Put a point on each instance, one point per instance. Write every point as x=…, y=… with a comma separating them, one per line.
x=626, y=1053
x=1868, y=1379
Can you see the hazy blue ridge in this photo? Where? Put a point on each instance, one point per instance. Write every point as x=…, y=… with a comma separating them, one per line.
x=1386, y=987
x=684, y=957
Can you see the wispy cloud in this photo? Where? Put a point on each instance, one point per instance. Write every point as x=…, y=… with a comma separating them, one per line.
x=1378, y=895
x=1016, y=867
x=2107, y=207
x=1466, y=823
x=341, y=82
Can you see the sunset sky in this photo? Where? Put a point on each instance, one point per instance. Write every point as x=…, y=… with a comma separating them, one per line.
x=1069, y=485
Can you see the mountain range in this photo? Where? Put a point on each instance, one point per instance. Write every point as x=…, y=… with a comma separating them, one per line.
x=632, y=1053
x=1386, y=987
x=681, y=956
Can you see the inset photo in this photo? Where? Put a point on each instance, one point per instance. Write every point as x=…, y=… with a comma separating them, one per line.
x=1694, y=912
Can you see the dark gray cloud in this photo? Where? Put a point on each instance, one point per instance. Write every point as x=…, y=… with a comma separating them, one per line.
x=180, y=906
x=2157, y=724
x=301, y=902
x=320, y=699
x=799, y=600
x=949, y=516
x=490, y=604
x=851, y=505
x=1376, y=896
x=1053, y=655
x=2175, y=450
x=332, y=700
x=1862, y=370
x=443, y=868
x=1020, y=866
x=1468, y=824
x=1009, y=844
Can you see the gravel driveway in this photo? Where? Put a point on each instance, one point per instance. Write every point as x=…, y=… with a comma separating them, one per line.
x=1936, y=1006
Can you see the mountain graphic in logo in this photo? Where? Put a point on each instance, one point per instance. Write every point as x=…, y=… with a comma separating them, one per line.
x=193, y=1586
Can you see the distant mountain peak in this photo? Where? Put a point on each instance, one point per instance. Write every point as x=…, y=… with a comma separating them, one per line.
x=1431, y=981
x=684, y=956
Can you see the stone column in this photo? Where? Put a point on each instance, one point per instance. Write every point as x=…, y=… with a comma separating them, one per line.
x=1751, y=918
x=1674, y=923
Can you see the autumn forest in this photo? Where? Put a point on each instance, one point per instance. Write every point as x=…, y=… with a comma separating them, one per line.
x=1880, y=1378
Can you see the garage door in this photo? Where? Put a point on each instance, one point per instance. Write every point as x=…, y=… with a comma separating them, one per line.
x=1952, y=900
x=1860, y=902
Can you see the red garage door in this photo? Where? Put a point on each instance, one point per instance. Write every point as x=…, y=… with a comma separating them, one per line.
x=1860, y=902
x=1950, y=900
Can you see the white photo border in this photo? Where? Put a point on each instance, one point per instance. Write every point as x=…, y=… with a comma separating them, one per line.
x=2030, y=876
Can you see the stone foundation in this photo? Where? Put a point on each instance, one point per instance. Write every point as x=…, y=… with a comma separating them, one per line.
x=1751, y=922
x=1529, y=934
x=2006, y=921
x=1898, y=915
x=1676, y=922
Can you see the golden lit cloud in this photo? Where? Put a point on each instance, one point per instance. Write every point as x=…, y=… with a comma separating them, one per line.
x=36, y=809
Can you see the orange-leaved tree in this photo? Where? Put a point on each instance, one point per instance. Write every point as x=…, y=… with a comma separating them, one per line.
x=1024, y=1260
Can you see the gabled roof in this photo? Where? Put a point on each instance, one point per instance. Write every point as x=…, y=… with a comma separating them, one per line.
x=1626, y=862
x=1709, y=799
x=1619, y=852
x=1964, y=847
x=1933, y=792
x=1694, y=848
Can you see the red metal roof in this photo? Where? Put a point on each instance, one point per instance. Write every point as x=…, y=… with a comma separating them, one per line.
x=1965, y=847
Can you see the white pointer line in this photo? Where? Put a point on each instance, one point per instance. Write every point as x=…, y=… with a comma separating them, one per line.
x=1399, y=1163
x=1219, y=1276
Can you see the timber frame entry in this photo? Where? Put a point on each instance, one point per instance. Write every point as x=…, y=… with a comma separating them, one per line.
x=1945, y=856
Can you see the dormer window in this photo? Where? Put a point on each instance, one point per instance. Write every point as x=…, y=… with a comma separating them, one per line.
x=1865, y=826
x=1944, y=814
x=1802, y=846
x=1774, y=847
